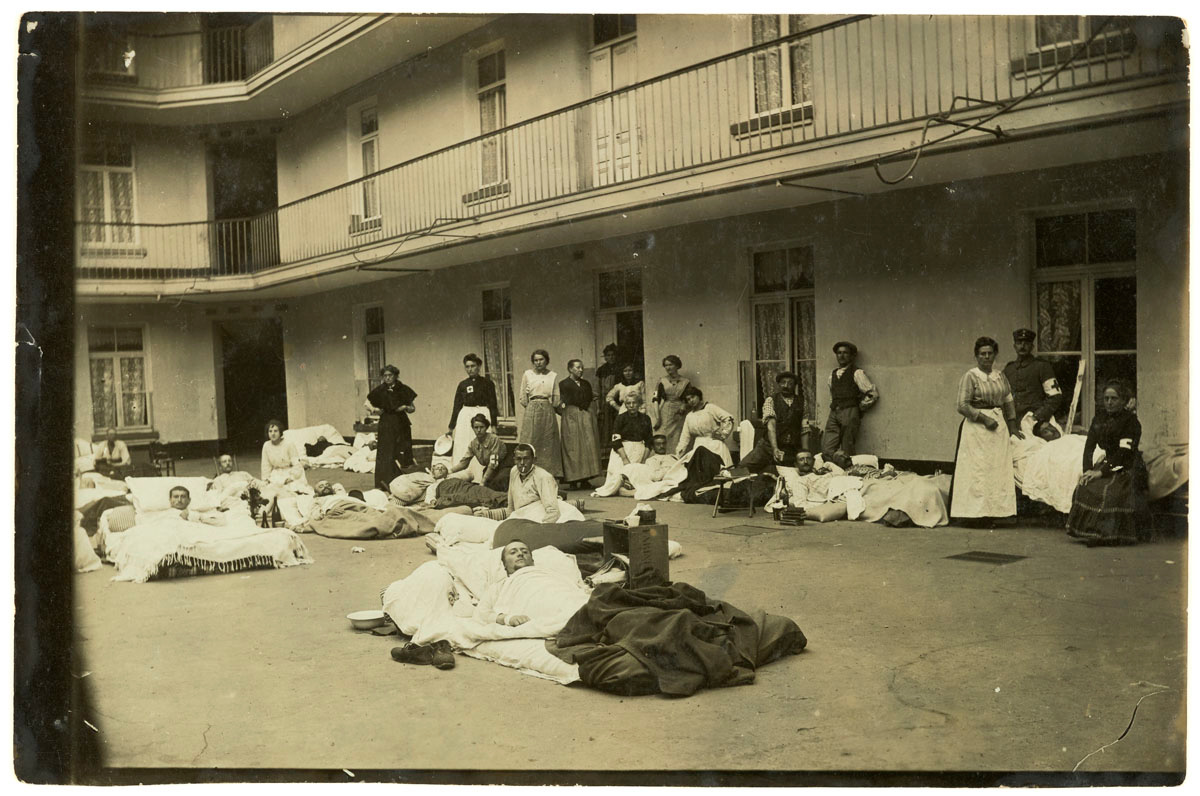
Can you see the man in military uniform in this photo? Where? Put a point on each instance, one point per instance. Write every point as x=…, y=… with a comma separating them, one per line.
x=1034, y=386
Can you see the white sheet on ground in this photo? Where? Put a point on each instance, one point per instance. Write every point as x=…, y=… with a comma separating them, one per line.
x=299, y=437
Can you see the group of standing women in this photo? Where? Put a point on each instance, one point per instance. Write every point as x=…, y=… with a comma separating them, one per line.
x=1110, y=504
x=573, y=453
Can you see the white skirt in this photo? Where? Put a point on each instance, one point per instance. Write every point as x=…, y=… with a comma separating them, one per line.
x=463, y=433
x=983, y=471
x=636, y=451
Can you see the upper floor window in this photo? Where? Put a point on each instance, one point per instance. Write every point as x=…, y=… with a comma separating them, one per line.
x=606, y=27
x=783, y=74
x=117, y=364
x=491, y=95
x=106, y=192
x=363, y=133
x=109, y=48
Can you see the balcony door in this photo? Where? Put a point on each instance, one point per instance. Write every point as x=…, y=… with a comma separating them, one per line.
x=243, y=196
x=614, y=120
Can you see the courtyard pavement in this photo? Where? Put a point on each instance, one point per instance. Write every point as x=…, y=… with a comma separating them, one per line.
x=916, y=662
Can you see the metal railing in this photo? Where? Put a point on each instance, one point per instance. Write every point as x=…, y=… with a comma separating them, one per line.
x=859, y=74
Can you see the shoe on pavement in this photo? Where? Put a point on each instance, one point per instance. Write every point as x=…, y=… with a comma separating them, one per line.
x=417, y=654
x=443, y=655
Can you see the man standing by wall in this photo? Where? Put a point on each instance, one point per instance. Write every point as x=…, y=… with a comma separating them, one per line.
x=1034, y=386
x=851, y=393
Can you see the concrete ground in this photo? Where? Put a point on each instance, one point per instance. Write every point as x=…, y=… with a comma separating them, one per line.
x=915, y=662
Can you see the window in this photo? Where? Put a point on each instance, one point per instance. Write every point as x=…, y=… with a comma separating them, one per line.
x=363, y=132
x=606, y=27
x=619, y=315
x=106, y=193
x=1085, y=300
x=109, y=49
x=1051, y=40
x=117, y=362
x=783, y=74
x=373, y=340
x=783, y=323
x=493, y=168
x=618, y=289
x=497, y=346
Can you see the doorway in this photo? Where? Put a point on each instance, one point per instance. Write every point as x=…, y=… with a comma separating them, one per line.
x=255, y=380
x=619, y=316
x=243, y=189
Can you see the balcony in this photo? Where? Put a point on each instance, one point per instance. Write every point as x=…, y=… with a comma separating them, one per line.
x=847, y=81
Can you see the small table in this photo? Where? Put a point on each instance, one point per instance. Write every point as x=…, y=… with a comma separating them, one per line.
x=736, y=475
x=646, y=546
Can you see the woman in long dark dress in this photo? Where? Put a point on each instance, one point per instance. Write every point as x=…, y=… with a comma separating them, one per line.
x=606, y=376
x=393, y=400
x=1110, y=504
x=581, y=461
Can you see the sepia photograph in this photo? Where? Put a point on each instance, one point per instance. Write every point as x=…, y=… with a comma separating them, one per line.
x=593, y=398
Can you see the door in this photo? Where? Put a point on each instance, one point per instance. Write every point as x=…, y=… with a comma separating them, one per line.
x=244, y=196
x=614, y=120
x=254, y=377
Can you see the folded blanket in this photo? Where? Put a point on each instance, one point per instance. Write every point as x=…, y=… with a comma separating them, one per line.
x=150, y=550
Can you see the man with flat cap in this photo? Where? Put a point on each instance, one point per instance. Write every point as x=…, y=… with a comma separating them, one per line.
x=850, y=394
x=1034, y=386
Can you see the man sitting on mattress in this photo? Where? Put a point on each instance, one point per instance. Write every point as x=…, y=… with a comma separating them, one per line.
x=228, y=485
x=529, y=484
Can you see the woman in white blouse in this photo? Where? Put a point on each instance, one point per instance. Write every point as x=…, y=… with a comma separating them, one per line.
x=629, y=383
x=539, y=426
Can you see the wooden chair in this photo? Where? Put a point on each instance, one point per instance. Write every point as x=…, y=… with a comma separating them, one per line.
x=161, y=459
x=729, y=477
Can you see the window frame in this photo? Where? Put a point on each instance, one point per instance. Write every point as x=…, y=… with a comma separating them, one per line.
x=507, y=411
x=373, y=377
x=105, y=171
x=1086, y=274
x=787, y=108
x=357, y=140
x=496, y=91
x=115, y=356
x=787, y=298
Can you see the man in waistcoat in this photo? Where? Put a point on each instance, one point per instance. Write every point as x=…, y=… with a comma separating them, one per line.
x=850, y=394
x=783, y=414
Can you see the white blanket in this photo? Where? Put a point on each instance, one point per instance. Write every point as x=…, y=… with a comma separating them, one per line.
x=1049, y=471
x=147, y=548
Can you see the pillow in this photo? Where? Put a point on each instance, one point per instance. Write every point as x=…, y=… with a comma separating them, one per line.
x=153, y=494
x=410, y=487
x=299, y=437
x=825, y=512
x=120, y=518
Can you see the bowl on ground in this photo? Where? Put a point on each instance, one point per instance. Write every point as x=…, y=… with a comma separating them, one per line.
x=365, y=620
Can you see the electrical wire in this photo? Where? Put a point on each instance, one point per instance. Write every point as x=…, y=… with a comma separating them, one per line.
x=920, y=148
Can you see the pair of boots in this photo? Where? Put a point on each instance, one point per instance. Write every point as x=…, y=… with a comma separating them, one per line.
x=438, y=654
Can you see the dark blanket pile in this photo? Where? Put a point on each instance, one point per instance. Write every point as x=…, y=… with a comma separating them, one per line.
x=671, y=640
x=458, y=492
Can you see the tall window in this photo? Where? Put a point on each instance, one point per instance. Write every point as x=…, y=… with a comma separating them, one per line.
x=1085, y=300
x=106, y=200
x=606, y=27
x=497, y=346
x=782, y=75
x=373, y=340
x=493, y=167
x=783, y=317
x=615, y=129
x=368, y=145
x=120, y=395
x=362, y=134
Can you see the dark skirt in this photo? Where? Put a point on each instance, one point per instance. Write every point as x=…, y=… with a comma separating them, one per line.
x=1112, y=509
x=394, y=442
x=579, y=455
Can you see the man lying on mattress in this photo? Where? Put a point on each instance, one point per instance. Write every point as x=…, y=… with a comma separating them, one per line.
x=446, y=492
x=668, y=639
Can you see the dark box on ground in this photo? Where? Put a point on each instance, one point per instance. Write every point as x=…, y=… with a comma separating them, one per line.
x=646, y=546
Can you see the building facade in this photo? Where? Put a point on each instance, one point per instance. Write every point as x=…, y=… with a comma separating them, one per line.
x=270, y=207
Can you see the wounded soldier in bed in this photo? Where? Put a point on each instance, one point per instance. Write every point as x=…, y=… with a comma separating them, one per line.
x=179, y=499
x=529, y=593
x=229, y=484
x=446, y=492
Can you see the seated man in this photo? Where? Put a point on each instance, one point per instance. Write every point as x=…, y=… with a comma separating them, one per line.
x=229, y=485
x=111, y=456
x=529, y=484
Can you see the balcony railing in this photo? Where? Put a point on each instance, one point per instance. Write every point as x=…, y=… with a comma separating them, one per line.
x=198, y=57
x=860, y=74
